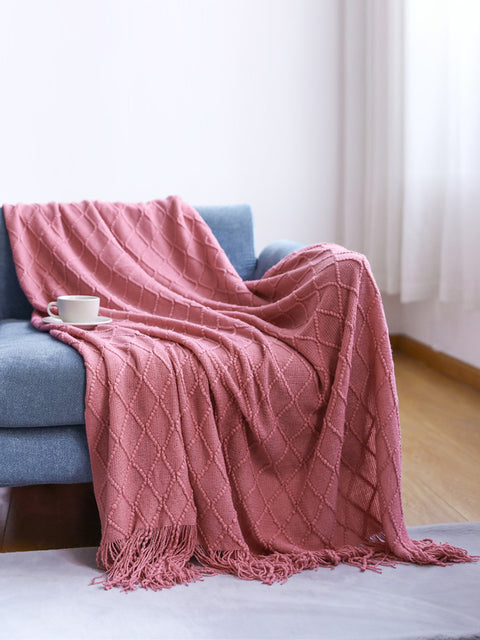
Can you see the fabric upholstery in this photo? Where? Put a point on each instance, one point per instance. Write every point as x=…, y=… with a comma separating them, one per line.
x=233, y=228
x=45, y=455
x=43, y=380
x=13, y=303
x=272, y=254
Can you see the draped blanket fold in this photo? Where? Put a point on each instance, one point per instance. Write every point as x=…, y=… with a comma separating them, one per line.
x=252, y=426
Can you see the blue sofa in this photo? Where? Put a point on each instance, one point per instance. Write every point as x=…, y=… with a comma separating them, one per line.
x=42, y=380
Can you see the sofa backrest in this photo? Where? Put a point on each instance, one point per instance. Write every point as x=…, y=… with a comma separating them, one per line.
x=232, y=226
x=13, y=303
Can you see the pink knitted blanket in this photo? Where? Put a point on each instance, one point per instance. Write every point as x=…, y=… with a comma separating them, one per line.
x=251, y=425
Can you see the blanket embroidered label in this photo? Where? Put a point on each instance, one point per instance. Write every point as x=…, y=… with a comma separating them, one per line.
x=252, y=426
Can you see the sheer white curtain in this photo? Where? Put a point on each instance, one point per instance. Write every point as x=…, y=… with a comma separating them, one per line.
x=410, y=162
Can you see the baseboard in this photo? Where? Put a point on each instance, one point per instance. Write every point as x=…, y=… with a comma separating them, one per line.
x=448, y=365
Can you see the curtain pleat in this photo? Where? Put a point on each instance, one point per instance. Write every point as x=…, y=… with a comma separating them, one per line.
x=410, y=145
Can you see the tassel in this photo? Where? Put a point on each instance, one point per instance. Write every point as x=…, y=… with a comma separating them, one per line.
x=160, y=559
x=278, y=567
x=428, y=552
x=157, y=559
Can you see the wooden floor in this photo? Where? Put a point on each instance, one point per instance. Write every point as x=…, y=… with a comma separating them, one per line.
x=440, y=421
x=441, y=470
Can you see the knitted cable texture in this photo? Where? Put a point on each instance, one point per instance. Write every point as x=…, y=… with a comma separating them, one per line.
x=251, y=425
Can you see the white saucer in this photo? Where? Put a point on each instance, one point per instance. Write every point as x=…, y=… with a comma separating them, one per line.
x=99, y=320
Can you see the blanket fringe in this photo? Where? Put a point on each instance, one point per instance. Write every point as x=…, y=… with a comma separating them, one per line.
x=427, y=551
x=278, y=567
x=160, y=559
x=156, y=559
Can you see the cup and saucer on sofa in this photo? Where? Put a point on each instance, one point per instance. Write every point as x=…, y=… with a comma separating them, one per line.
x=78, y=310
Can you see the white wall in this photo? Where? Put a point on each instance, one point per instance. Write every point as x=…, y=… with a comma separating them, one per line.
x=444, y=327
x=219, y=101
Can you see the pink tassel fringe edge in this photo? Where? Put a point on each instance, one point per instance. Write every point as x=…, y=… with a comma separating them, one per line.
x=157, y=559
x=160, y=559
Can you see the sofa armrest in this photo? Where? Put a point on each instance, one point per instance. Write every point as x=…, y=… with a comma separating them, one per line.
x=272, y=254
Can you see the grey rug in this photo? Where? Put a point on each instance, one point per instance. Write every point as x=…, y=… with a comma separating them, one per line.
x=46, y=594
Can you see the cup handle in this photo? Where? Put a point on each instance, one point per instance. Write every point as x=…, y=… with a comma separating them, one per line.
x=50, y=313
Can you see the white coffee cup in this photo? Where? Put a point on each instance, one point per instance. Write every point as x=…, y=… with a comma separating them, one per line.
x=75, y=309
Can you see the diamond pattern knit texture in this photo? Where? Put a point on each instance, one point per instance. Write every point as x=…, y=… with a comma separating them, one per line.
x=252, y=425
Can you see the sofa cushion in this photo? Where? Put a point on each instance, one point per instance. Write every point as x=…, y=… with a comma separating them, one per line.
x=42, y=380
x=46, y=455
